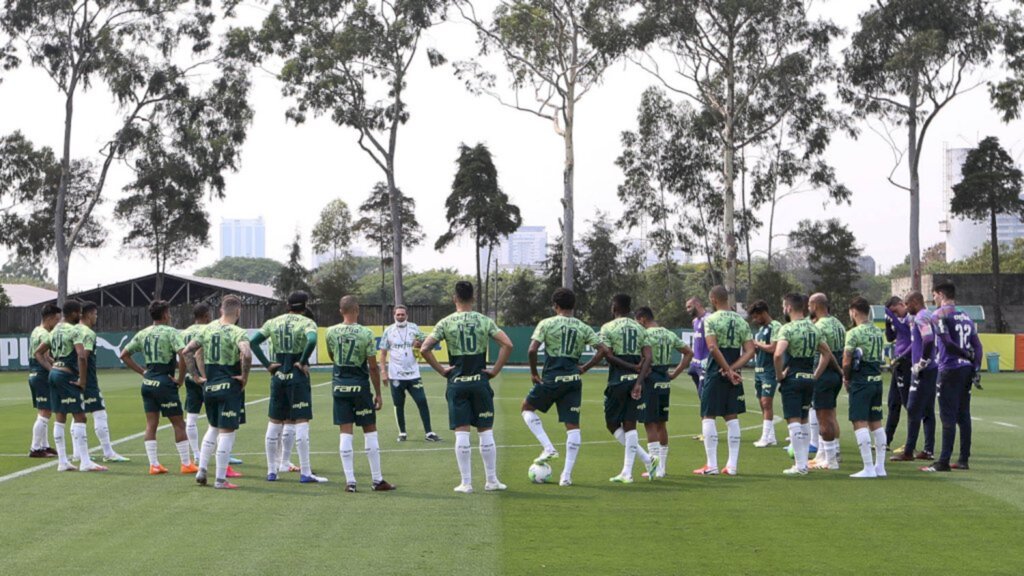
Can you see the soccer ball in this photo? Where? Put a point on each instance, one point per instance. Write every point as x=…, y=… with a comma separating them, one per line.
x=539, y=473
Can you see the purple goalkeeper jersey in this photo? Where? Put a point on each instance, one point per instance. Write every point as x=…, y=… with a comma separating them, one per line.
x=922, y=338
x=700, y=346
x=957, y=339
x=898, y=329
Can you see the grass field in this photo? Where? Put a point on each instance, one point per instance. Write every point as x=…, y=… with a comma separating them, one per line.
x=126, y=522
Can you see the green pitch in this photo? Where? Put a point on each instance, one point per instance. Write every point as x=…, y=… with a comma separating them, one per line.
x=126, y=522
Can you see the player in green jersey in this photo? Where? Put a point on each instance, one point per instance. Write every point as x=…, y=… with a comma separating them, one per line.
x=862, y=378
x=38, y=382
x=68, y=374
x=563, y=339
x=353, y=351
x=730, y=347
x=664, y=343
x=624, y=404
x=95, y=407
x=293, y=339
x=799, y=343
x=194, y=392
x=470, y=397
x=223, y=371
x=764, y=371
x=827, y=387
x=161, y=346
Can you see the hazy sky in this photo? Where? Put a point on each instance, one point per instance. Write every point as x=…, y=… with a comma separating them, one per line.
x=289, y=173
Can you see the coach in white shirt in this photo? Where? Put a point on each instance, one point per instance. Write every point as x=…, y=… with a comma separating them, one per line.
x=401, y=372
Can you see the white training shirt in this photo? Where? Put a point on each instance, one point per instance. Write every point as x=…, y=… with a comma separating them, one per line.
x=398, y=341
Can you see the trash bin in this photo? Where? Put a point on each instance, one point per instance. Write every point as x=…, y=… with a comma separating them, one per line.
x=993, y=362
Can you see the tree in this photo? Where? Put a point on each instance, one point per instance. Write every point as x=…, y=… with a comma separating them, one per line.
x=22, y=270
x=333, y=280
x=747, y=63
x=30, y=180
x=5, y=300
x=552, y=275
x=130, y=46
x=241, y=269
x=832, y=255
x=771, y=285
x=293, y=275
x=991, y=186
x=908, y=60
x=522, y=302
x=350, y=60
x=606, y=269
x=554, y=52
x=333, y=231
x=479, y=208
x=376, y=227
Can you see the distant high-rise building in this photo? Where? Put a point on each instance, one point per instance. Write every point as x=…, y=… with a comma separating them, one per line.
x=964, y=237
x=524, y=248
x=867, y=265
x=242, y=238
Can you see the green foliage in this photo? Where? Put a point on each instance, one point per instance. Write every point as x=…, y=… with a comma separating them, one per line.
x=663, y=288
x=991, y=184
x=771, y=285
x=521, y=298
x=293, y=276
x=606, y=269
x=832, y=255
x=333, y=280
x=254, y=270
x=29, y=271
x=333, y=231
x=375, y=225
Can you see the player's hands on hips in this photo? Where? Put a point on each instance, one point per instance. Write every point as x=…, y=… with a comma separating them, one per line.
x=302, y=368
x=447, y=370
x=536, y=378
x=180, y=382
x=273, y=368
x=241, y=379
x=377, y=403
x=491, y=374
x=846, y=384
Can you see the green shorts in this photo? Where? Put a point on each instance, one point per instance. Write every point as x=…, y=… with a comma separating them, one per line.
x=193, y=397
x=353, y=404
x=826, y=390
x=765, y=384
x=797, y=392
x=225, y=402
x=93, y=399
x=720, y=397
x=39, y=388
x=470, y=403
x=567, y=394
x=65, y=397
x=161, y=395
x=866, y=399
x=291, y=396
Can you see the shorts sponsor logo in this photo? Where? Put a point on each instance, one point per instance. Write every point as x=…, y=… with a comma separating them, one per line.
x=476, y=378
x=662, y=385
x=300, y=405
x=879, y=379
x=283, y=376
x=486, y=415
x=70, y=401
x=218, y=387
x=628, y=377
x=42, y=399
x=418, y=386
x=569, y=378
x=876, y=408
x=365, y=412
x=347, y=389
x=229, y=414
x=91, y=401
x=574, y=409
x=169, y=405
x=153, y=383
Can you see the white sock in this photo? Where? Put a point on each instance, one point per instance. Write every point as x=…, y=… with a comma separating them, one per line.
x=463, y=452
x=271, y=439
x=192, y=431
x=663, y=459
x=572, y=449
x=302, y=446
x=183, y=452
x=489, y=454
x=80, y=440
x=799, y=439
x=620, y=435
x=373, y=455
x=710, y=442
x=654, y=449
x=225, y=442
x=812, y=421
x=879, y=451
x=209, y=447
x=829, y=450
x=39, y=433
x=733, y=431
x=59, y=443
x=347, y=465
x=287, y=443
x=864, y=445
x=101, y=427
x=767, y=431
x=806, y=446
x=535, y=425
x=151, y=452
x=629, y=455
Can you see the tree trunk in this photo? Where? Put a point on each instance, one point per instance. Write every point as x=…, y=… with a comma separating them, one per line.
x=997, y=287
x=915, y=194
x=487, y=281
x=396, y=233
x=728, y=222
x=568, y=182
x=479, y=276
x=158, y=288
x=746, y=234
x=63, y=251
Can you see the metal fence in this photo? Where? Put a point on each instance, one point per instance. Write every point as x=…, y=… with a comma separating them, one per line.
x=119, y=319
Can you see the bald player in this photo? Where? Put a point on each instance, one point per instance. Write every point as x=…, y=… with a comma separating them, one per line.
x=695, y=308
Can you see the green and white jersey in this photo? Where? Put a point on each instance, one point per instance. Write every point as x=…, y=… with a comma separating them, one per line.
x=351, y=345
x=868, y=341
x=87, y=338
x=62, y=346
x=766, y=335
x=802, y=337
x=563, y=340
x=834, y=334
x=467, y=335
x=159, y=345
x=398, y=341
x=287, y=334
x=626, y=338
x=731, y=332
x=663, y=343
x=221, y=354
x=188, y=335
x=39, y=336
